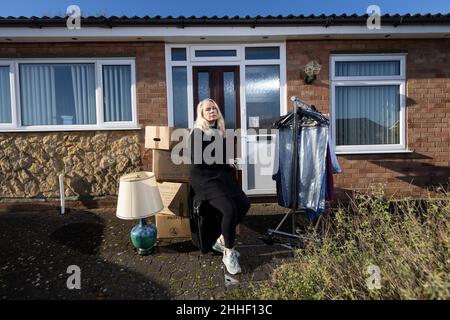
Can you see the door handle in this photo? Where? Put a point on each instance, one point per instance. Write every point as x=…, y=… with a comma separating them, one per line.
x=266, y=138
x=255, y=138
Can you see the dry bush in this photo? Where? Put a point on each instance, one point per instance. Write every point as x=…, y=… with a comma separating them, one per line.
x=407, y=239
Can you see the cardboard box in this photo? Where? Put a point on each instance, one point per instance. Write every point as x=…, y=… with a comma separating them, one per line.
x=171, y=226
x=165, y=170
x=175, y=198
x=160, y=137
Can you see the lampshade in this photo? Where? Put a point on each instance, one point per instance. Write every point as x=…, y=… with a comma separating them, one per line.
x=139, y=196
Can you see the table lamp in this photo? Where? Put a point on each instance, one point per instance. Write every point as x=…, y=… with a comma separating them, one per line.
x=139, y=198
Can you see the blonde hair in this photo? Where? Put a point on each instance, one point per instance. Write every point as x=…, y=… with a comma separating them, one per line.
x=203, y=124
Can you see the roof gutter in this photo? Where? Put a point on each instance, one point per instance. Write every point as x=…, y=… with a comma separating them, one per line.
x=182, y=22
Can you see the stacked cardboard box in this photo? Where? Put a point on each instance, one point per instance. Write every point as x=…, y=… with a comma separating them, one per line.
x=159, y=140
x=173, y=182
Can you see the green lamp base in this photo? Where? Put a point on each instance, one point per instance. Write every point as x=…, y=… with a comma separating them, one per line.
x=144, y=252
x=143, y=236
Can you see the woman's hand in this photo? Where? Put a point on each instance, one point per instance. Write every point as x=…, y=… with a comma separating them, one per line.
x=232, y=163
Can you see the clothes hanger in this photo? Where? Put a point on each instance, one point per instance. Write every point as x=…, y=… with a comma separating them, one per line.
x=306, y=115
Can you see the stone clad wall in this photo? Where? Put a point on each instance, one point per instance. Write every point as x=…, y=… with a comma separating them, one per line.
x=92, y=161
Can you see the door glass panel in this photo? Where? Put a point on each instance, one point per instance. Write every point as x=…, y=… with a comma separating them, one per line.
x=260, y=168
x=229, y=96
x=262, y=91
x=180, y=104
x=203, y=86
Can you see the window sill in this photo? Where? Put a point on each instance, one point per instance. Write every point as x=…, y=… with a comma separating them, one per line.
x=374, y=152
x=62, y=129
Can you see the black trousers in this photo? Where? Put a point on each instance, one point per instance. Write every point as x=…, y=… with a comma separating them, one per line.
x=233, y=210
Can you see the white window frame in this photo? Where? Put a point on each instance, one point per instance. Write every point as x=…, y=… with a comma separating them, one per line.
x=118, y=124
x=223, y=61
x=399, y=80
x=238, y=56
x=101, y=124
x=266, y=61
x=11, y=124
x=207, y=61
x=364, y=58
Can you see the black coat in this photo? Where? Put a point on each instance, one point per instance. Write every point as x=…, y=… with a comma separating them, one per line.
x=211, y=180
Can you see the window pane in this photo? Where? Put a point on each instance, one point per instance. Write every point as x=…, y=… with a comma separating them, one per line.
x=262, y=91
x=178, y=54
x=229, y=98
x=367, y=68
x=5, y=95
x=215, y=53
x=258, y=53
x=367, y=115
x=117, y=93
x=180, y=104
x=57, y=94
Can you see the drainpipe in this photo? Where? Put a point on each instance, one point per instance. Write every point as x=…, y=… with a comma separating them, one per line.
x=61, y=192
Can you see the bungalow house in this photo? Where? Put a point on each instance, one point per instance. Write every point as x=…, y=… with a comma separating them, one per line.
x=76, y=101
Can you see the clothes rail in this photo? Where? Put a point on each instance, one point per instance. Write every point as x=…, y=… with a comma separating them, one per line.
x=301, y=106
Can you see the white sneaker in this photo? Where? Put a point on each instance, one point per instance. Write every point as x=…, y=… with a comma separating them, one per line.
x=220, y=247
x=231, y=262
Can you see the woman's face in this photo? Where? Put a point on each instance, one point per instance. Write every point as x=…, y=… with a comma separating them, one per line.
x=210, y=111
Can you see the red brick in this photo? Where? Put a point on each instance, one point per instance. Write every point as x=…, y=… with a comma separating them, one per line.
x=428, y=111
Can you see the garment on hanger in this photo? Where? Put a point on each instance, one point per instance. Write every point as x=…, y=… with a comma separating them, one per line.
x=311, y=176
x=329, y=174
x=304, y=116
x=311, y=167
x=334, y=160
x=282, y=176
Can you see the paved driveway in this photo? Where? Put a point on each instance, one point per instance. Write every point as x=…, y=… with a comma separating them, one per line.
x=36, y=248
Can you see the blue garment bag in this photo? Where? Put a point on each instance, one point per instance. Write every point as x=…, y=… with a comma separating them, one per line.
x=311, y=168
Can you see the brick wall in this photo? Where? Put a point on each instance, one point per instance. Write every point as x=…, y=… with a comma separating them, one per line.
x=428, y=112
x=151, y=109
x=428, y=103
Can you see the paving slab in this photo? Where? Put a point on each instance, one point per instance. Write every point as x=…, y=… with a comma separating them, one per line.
x=37, y=247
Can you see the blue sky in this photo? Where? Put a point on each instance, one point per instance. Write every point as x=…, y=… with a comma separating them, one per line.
x=217, y=7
